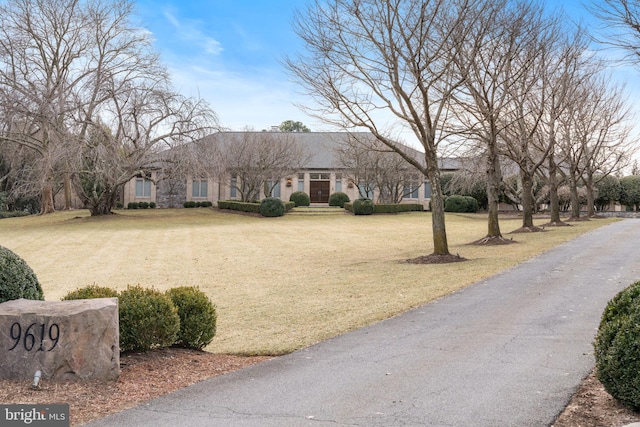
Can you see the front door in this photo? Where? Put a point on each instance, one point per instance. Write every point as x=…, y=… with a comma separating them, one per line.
x=319, y=191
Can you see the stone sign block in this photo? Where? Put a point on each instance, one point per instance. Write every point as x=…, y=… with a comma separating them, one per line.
x=66, y=340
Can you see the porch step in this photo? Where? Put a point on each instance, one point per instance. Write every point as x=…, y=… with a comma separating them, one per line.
x=316, y=210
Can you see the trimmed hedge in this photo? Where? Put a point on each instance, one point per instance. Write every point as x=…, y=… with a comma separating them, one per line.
x=390, y=208
x=234, y=205
x=148, y=319
x=300, y=198
x=13, y=214
x=338, y=199
x=17, y=279
x=363, y=206
x=91, y=291
x=617, y=347
x=272, y=207
x=197, y=317
x=397, y=208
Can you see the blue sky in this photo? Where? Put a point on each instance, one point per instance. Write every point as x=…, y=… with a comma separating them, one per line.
x=228, y=52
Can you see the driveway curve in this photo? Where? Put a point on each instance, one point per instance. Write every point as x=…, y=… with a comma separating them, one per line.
x=507, y=351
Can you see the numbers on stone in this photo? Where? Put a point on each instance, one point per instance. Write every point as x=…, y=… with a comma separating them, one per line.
x=35, y=334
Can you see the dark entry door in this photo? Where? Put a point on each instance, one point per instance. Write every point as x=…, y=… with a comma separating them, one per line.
x=319, y=191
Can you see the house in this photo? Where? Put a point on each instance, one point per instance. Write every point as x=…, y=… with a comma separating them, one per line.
x=323, y=171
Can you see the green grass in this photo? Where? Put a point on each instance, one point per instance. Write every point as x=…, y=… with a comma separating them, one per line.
x=279, y=283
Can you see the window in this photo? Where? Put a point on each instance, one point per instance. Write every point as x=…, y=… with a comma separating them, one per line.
x=319, y=176
x=427, y=190
x=143, y=187
x=300, y=182
x=411, y=188
x=275, y=188
x=233, y=187
x=338, y=182
x=199, y=188
x=366, y=190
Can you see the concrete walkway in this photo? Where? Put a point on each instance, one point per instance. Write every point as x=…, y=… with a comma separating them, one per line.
x=507, y=351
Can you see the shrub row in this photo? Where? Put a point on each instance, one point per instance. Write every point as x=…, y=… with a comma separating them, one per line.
x=149, y=319
x=239, y=206
x=363, y=206
x=270, y=206
x=13, y=214
x=17, y=279
x=617, y=347
x=141, y=205
x=397, y=208
x=193, y=204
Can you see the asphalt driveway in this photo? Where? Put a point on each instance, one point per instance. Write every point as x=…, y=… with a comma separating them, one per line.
x=507, y=351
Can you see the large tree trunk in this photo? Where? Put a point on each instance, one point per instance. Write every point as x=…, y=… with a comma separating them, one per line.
x=47, y=206
x=67, y=192
x=575, y=198
x=554, y=203
x=527, y=200
x=440, y=244
x=493, y=192
x=591, y=212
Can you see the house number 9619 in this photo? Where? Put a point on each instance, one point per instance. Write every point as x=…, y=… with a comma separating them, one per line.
x=34, y=336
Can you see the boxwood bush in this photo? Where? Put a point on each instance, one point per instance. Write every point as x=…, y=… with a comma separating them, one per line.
x=617, y=347
x=17, y=279
x=455, y=203
x=235, y=205
x=148, y=319
x=197, y=317
x=397, y=208
x=272, y=207
x=91, y=291
x=338, y=199
x=363, y=206
x=300, y=198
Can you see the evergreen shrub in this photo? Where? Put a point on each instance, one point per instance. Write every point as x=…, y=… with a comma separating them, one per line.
x=338, y=199
x=197, y=317
x=17, y=279
x=455, y=203
x=91, y=291
x=300, y=198
x=133, y=205
x=148, y=319
x=363, y=206
x=617, y=347
x=272, y=207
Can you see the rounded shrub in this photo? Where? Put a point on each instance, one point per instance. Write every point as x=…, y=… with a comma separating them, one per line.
x=338, y=199
x=148, y=319
x=455, y=203
x=472, y=204
x=197, y=317
x=17, y=279
x=133, y=205
x=363, y=206
x=271, y=207
x=617, y=347
x=300, y=198
x=91, y=291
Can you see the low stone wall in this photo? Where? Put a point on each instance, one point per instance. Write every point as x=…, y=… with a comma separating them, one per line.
x=66, y=340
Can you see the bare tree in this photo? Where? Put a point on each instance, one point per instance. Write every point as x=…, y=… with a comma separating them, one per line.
x=491, y=63
x=372, y=165
x=393, y=56
x=621, y=29
x=258, y=160
x=601, y=144
x=70, y=68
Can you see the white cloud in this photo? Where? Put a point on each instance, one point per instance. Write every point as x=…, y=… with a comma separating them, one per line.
x=188, y=31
